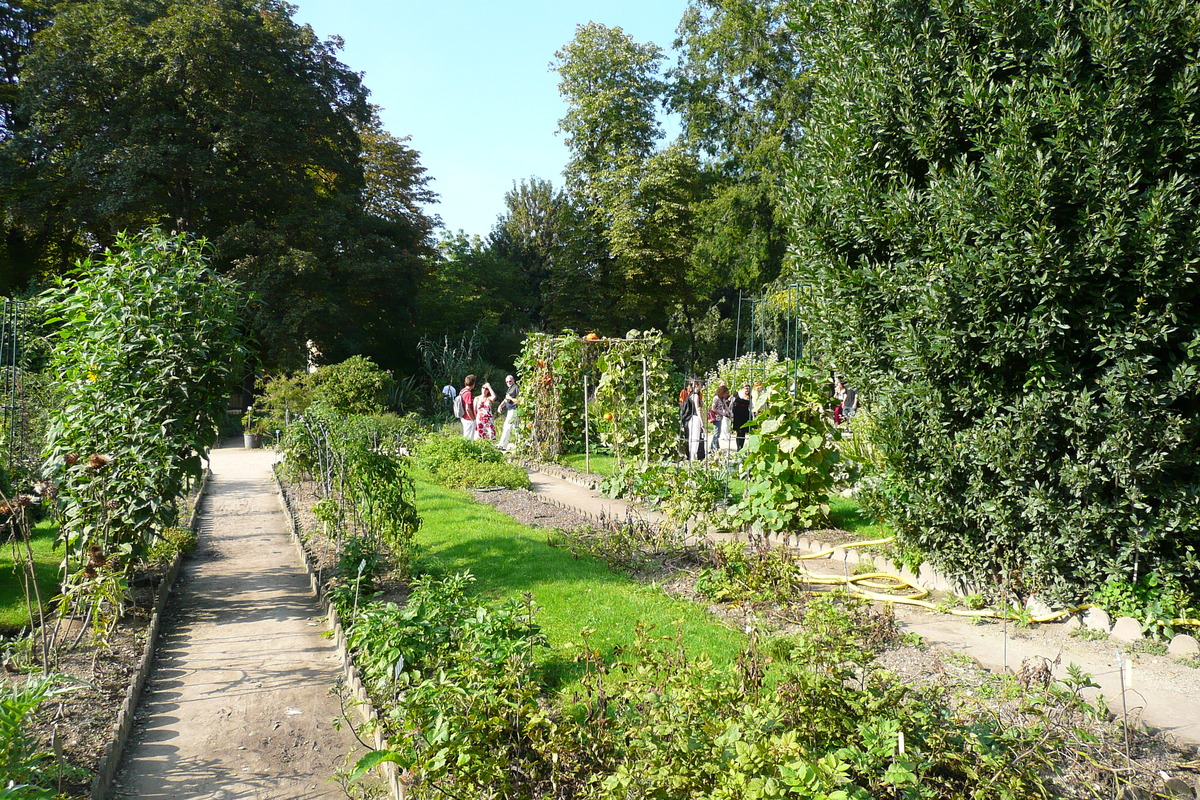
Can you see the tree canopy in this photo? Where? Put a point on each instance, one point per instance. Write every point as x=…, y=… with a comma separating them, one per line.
x=226, y=119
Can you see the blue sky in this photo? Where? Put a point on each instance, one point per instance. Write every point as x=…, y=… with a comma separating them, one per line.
x=469, y=81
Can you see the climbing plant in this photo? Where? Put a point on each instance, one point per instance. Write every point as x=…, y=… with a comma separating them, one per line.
x=146, y=349
x=552, y=372
x=789, y=460
x=633, y=408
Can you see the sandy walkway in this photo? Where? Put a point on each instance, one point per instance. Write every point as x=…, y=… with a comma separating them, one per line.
x=239, y=703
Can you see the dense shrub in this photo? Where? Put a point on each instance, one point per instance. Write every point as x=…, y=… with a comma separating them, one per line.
x=354, y=386
x=454, y=461
x=997, y=206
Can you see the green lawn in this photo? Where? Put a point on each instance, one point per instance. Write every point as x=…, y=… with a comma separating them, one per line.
x=848, y=514
x=14, y=613
x=601, y=464
x=508, y=559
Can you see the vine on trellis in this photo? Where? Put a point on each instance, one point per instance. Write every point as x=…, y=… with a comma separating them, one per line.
x=551, y=371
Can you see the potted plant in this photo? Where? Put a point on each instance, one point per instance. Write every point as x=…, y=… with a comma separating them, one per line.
x=251, y=429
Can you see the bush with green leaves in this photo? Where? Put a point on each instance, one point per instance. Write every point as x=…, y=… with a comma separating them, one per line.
x=362, y=479
x=454, y=461
x=681, y=492
x=354, y=386
x=790, y=460
x=1160, y=604
x=998, y=208
x=146, y=349
x=808, y=716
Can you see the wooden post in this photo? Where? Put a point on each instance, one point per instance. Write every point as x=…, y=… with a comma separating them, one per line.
x=587, y=447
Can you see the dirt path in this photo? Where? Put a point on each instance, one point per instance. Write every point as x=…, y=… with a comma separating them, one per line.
x=239, y=703
x=1158, y=690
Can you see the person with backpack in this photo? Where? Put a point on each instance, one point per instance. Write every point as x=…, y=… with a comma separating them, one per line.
x=464, y=407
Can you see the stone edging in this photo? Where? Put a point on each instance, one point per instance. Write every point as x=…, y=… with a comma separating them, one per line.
x=111, y=760
x=353, y=680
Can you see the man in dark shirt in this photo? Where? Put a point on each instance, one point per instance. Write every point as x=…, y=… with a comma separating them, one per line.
x=510, y=410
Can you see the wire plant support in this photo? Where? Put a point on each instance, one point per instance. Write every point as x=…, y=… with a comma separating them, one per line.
x=775, y=323
x=12, y=316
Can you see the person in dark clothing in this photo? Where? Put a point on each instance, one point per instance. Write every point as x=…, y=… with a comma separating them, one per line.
x=741, y=414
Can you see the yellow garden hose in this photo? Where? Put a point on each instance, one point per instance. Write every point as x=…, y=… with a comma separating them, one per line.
x=888, y=588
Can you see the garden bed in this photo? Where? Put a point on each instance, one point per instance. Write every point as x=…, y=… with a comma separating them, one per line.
x=90, y=724
x=1097, y=749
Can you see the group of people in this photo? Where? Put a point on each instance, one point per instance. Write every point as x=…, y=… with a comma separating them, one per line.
x=728, y=415
x=476, y=414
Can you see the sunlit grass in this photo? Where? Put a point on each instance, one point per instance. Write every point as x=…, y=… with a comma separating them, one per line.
x=14, y=611
x=598, y=463
x=849, y=515
x=573, y=593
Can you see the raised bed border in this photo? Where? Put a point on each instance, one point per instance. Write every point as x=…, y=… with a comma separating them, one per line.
x=110, y=762
x=350, y=672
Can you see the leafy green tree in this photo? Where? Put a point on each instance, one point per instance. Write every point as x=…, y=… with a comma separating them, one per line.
x=612, y=88
x=474, y=287
x=18, y=24
x=226, y=119
x=740, y=86
x=997, y=205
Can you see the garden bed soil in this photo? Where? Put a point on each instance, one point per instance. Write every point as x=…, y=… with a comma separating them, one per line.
x=85, y=717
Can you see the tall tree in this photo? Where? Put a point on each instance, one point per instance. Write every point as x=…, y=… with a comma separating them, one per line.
x=227, y=119
x=613, y=90
x=998, y=204
x=531, y=234
x=19, y=21
x=741, y=88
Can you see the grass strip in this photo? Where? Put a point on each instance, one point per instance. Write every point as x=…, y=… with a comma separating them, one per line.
x=598, y=464
x=14, y=612
x=573, y=593
x=849, y=515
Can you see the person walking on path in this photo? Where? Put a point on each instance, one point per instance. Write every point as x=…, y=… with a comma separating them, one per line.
x=240, y=701
x=466, y=398
x=511, y=395
x=485, y=428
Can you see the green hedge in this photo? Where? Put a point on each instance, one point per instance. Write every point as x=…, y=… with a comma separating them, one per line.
x=454, y=461
x=996, y=204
